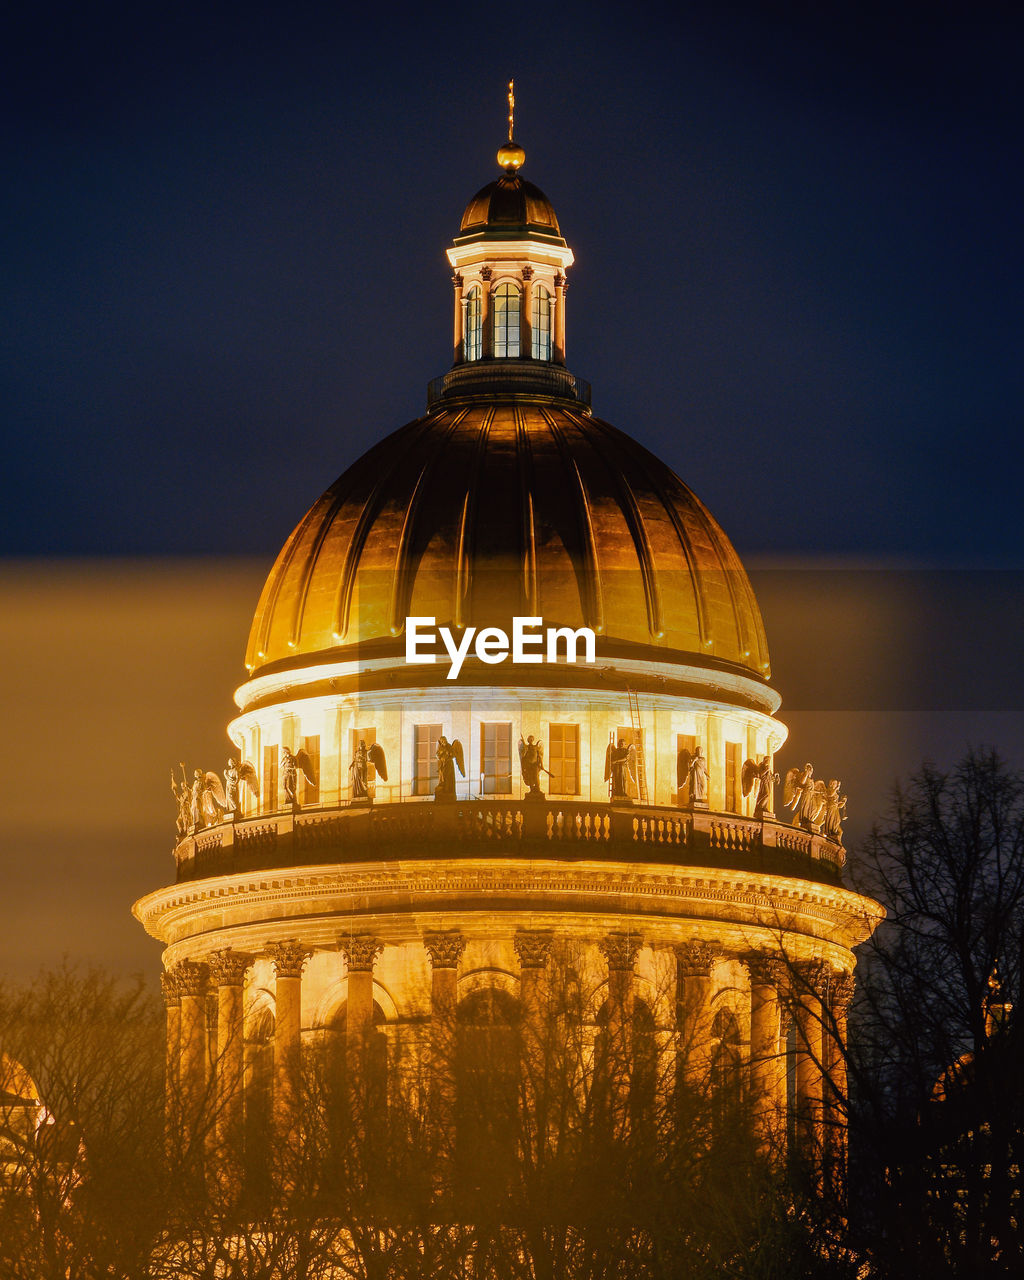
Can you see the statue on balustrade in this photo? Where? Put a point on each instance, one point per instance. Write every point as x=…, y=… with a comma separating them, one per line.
x=531, y=766
x=805, y=798
x=763, y=775
x=205, y=800
x=182, y=793
x=835, y=811
x=292, y=763
x=692, y=771
x=359, y=769
x=620, y=771
x=234, y=776
x=450, y=757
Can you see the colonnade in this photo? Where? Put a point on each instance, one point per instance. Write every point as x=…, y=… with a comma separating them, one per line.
x=557, y=317
x=799, y=1094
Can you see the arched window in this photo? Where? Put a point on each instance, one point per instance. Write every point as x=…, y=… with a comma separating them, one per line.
x=507, y=305
x=540, y=321
x=472, y=339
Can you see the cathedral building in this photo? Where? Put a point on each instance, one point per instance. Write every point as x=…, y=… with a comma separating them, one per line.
x=508, y=721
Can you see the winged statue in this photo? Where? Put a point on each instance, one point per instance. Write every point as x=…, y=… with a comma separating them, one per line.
x=450, y=756
x=762, y=775
x=804, y=796
x=692, y=771
x=531, y=765
x=207, y=801
x=359, y=769
x=620, y=768
x=292, y=764
x=235, y=777
x=835, y=810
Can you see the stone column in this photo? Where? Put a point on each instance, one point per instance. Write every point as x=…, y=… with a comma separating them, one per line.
x=360, y=955
x=191, y=979
x=289, y=959
x=444, y=951
x=841, y=989
x=227, y=972
x=459, y=321
x=558, y=344
x=620, y=950
x=767, y=1065
x=694, y=963
x=533, y=950
x=809, y=983
x=172, y=1089
x=486, y=330
x=526, y=315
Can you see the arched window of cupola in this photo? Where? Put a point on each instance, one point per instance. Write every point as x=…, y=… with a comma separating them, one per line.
x=472, y=341
x=507, y=308
x=540, y=324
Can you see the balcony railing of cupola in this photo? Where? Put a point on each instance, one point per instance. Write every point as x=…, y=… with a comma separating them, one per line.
x=502, y=827
x=530, y=377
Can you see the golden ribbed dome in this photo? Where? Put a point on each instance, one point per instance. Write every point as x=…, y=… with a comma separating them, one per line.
x=505, y=506
x=509, y=208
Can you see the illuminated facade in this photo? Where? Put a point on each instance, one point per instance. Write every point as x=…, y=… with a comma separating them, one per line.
x=698, y=907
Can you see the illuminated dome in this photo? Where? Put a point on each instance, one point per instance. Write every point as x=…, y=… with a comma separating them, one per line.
x=486, y=509
x=509, y=208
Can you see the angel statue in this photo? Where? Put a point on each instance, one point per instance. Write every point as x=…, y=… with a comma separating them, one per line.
x=206, y=800
x=182, y=793
x=234, y=776
x=450, y=757
x=835, y=811
x=531, y=766
x=692, y=770
x=359, y=769
x=620, y=770
x=805, y=797
x=291, y=764
x=766, y=779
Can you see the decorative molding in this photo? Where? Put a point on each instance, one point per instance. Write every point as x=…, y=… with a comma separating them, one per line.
x=620, y=950
x=527, y=272
x=841, y=989
x=169, y=988
x=289, y=957
x=813, y=978
x=361, y=952
x=227, y=967
x=444, y=949
x=533, y=949
x=695, y=959
x=486, y=273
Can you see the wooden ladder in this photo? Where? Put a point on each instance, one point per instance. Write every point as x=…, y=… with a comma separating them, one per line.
x=638, y=742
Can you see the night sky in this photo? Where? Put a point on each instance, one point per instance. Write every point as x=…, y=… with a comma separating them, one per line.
x=798, y=280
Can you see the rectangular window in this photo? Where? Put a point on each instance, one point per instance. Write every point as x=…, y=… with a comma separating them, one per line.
x=733, y=767
x=563, y=759
x=309, y=792
x=268, y=794
x=496, y=759
x=369, y=736
x=684, y=742
x=424, y=763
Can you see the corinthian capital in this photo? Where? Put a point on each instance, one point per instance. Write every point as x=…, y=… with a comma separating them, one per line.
x=170, y=989
x=621, y=950
x=765, y=970
x=289, y=957
x=532, y=949
x=841, y=990
x=444, y=949
x=227, y=967
x=190, y=976
x=361, y=952
x=695, y=959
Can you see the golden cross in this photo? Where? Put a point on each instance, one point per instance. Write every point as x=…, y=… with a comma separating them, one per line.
x=511, y=107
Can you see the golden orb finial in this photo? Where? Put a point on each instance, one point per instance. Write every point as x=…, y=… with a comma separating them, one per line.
x=511, y=156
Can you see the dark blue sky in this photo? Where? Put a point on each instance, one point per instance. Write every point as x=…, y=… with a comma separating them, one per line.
x=797, y=228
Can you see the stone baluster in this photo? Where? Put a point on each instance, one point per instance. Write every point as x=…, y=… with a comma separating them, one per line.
x=767, y=1061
